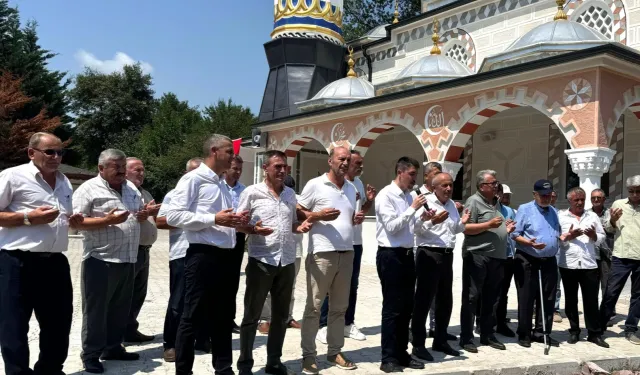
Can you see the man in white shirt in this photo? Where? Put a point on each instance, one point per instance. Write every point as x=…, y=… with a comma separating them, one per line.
x=113, y=211
x=272, y=256
x=148, y=236
x=178, y=246
x=395, y=209
x=435, y=241
x=582, y=232
x=35, y=211
x=329, y=202
x=366, y=198
x=201, y=206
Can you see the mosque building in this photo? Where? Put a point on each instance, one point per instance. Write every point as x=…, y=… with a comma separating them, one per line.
x=530, y=88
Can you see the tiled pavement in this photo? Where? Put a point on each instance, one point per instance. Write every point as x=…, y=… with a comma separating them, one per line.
x=366, y=354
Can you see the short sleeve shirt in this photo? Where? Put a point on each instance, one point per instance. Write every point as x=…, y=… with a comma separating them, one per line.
x=492, y=242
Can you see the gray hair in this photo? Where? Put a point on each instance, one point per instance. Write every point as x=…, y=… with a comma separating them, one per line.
x=575, y=190
x=432, y=165
x=35, y=139
x=598, y=190
x=480, y=176
x=110, y=154
x=133, y=158
x=217, y=141
x=197, y=161
x=633, y=181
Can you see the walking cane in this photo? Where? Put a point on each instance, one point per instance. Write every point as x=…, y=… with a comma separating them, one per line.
x=547, y=345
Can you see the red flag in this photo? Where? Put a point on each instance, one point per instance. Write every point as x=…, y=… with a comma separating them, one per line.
x=236, y=145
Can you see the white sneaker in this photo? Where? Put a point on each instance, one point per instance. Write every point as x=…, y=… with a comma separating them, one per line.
x=352, y=332
x=322, y=335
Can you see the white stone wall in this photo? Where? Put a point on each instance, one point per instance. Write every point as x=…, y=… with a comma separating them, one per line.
x=632, y=8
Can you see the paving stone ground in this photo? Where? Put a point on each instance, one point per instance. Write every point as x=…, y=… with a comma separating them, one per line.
x=366, y=354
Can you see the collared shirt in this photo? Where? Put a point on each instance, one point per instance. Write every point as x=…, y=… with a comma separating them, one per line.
x=235, y=192
x=198, y=197
x=439, y=235
x=581, y=252
x=509, y=214
x=23, y=189
x=492, y=242
x=533, y=221
x=320, y=193
x=178, y=243
x=627, y=231
x=148, y=229
x=605, y=246
x=394, y=217
x=357, y=229
x=277, y=213
x=114, y=243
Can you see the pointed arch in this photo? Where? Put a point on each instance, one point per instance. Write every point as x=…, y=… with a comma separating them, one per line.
x=367, y=131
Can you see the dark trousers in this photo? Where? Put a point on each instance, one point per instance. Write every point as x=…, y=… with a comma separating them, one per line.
x=237, y=268
x=396, y=270
x=140, y=282
x=209, y=303
x=587, y=280
x=106, y=302
x=350, y=315
x=434, y=281
x=37, y=283
x=501, y=311
x=620, y=270
x=526, y=276
x=481, y=284
x=604, y=268
x=176, y=305
x=261, y=279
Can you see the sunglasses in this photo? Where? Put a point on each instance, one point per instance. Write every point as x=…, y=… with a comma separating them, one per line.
x=52, y=152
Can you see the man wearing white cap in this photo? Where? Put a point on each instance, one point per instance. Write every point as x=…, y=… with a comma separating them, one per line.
x=504, y=195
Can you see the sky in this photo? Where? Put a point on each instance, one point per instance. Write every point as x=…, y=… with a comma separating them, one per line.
x=204, y=51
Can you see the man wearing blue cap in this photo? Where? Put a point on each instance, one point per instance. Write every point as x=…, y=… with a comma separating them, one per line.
x=537, y=240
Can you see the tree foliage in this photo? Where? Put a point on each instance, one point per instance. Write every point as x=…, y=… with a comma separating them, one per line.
x=361, y=16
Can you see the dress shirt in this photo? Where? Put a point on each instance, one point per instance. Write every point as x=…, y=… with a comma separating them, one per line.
x=533, y=221
x=23, y=189
x=235, y=192
x=605, y=246
x=357, y=229
x=320, y=193
x=198, y=197
x=439, y=235
x=277, y=213
x=394, y=217
x=627, y=231
x=178, y=243
x=581, y=252
x=148, y=229
x=114, y=243
x=509, y=214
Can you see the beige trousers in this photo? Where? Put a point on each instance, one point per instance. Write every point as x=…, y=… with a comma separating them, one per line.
x=327, y=272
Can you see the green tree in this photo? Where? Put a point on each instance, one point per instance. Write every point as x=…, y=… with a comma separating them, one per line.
x=232, y=120
x=361, y=16
x=109, y=109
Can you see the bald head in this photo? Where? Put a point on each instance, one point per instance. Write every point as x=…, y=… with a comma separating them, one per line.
x=135, y=171
x=442, y=177
x=442, y=186
x=339, y=160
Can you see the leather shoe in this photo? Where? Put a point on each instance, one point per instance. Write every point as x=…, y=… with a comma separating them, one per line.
x=235, y=329
x=422, y=353
x=412, y=364
x=294, y=324
x=138, y=337
x=263, y=328
x=93, y=366
x=120, y=356
x=450, y=337
x=390, y=367
x=598, y=340
x=204, y=346
x=470, y=347
x=169, y=355
x=525, y=341
x=277, y=369
x=493, y=342
x=573, y=338
x=446, y=349
x=505, y=331
x=550, y=340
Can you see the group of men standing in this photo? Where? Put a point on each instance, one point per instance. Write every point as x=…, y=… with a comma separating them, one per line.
x=210, y=215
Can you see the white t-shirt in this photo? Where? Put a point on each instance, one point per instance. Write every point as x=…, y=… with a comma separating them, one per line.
x=320, y=193
x=357, y=229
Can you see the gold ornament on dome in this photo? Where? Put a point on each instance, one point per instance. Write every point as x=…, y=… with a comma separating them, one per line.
x=301, y=9
x=435, y=50
x=351, y=73
x=560, y=14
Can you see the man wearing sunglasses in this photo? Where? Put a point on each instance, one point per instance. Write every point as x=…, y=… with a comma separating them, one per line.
x=35, y=211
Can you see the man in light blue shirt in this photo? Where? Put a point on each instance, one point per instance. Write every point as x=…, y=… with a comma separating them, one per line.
x=537, y=240
x=504, y=195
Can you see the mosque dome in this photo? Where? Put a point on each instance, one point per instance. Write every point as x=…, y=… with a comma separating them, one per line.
x=320, y=19
x=377, y=32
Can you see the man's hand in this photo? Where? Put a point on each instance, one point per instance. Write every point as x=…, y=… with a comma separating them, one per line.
x=459, y=206
x=466, y=216
x=327, y=214
x=358, y=218
x=260, y=230
x=496, y=222
x=304, y=227
x=370, y=192
x=616, y=213
x=114, y=218
x=152, y=208
x=511, y=226
x=427, y=215
x=75, y=220
x=418, y=202
x=226, y=218
x=142, y=215
x=591, y=233
x=43, y=215
x=571, y=234
x=536, y=245
x=245, y=217
x=439, y=217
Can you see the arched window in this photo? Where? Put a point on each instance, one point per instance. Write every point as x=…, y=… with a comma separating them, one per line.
x=597, y=16
x=458, y=52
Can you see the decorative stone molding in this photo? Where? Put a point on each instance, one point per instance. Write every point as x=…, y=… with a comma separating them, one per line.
x=367, y=131
x=450, y=167
x=590, y=164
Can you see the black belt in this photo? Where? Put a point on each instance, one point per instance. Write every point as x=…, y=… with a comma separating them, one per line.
x=441, y=250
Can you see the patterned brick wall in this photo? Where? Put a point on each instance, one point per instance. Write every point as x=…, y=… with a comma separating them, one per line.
x=557, y=158
x=616, y=176
x=467, y=170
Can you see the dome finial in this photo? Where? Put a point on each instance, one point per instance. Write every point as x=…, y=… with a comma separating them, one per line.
x=435, y=50
x=396, y=14
x=351, y=73
x=560, y=15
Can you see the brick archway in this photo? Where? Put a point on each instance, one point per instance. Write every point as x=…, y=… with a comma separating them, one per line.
x=366, y=132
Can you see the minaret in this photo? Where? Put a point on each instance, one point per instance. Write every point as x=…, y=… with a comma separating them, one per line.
x=305, y=54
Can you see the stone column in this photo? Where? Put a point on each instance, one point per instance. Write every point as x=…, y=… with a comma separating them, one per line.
x=590, y=164
x=451, y=167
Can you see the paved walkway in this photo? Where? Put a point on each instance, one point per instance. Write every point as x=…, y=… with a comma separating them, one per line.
x=514, y=360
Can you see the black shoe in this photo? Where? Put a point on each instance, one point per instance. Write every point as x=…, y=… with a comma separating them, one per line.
x=470, y=346
x=610, y=323
x=505, y=331
x=450, y=337
x=493, y=342
x=204, y=346
x=120, y=356
x=412, y=364
x=573, y=338
x=235, y=329
x=138, y=337
x=277, y=369
x=524, y=341
x=446, y=349
x=550, y=340
x=422, y=353
x=432, y=333
x=93, y=366
x=598, y=340
x=390, y=367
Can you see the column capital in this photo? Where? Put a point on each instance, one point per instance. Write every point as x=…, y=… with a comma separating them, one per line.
x=450, y=167
x=591, y=161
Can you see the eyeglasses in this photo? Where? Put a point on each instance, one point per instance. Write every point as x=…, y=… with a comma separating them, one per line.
x=633, y=192
x=52, y=152
x=597, y=198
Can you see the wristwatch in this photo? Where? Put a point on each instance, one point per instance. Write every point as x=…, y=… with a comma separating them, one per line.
x=26, y=219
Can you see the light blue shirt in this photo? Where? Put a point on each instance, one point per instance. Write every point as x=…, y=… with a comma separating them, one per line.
x=509, y=213
x=533, y=221
x=235, y=192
